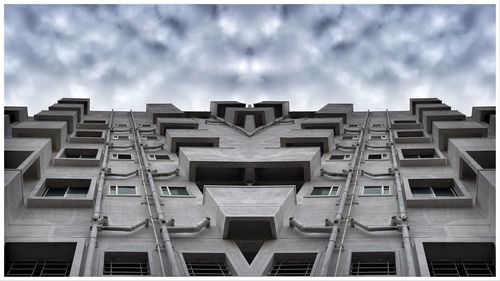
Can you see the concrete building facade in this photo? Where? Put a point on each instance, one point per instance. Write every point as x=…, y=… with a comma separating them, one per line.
x=249, y=190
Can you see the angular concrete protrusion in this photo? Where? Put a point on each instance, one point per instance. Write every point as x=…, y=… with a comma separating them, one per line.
x=405, y=124
x=94, y=123
x=473, y=154
x=177, y=138
x=59, y=115
x=218, y=108
x=167, y=110
x=84, y=101
x=241, y=116
x=483, y=113
x=57, y=131
x=415, y=101
x=323, y=123
x=163, y=124
x=309, y=138
x=342, y=110
x=281, y=108
x=421, y=108
x=249, y=213
x=16, y=113
x=7, y=130
x=29, y=155
x=445, y=115
x=79, y=108
x=442, y=131
x=88, y=136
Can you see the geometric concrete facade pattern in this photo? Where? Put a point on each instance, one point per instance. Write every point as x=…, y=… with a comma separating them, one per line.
x=250, y=190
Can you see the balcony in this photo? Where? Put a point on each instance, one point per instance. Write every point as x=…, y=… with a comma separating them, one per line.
x=67, y=116
x=436, y=192
x=411, y=136
x=442, y=131
x=163, y=124
x=415, y=101
x=78, y=108
x=420, y=157
x=93, y=124
x=78, y=157
x=323, y=123
x=177, y=138
x=63, y=192
x=323, y=139
x=55, y=131
x=448, y=115
x=421, y=108
x=88, y=136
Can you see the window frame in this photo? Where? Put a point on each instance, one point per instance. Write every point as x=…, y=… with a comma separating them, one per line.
x=310, y=195
x=117, y=157
x=146, y=137
x=452, y=188
x=378, y=137
x=121, y=137
x=67, y=190
x=346, y=157
x=383, y=156
x=122, y=195
x=350, y=138
x=121, y=125
x=383, y=188
x=189, y=195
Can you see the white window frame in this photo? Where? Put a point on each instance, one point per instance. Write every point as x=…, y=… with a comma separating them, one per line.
x=383, y=137
x=329, y=193
x=383, y=188
x=170, y=195
x=114, y=156
x=153, y=157
x=120, y=137
x=116, y=187
x=353, y=137
x=384, y=156
x=346, y=157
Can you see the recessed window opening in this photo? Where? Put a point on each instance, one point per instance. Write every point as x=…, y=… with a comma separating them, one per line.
x=292, y=264
x=340, y=157
x=378, y=137
x=122, y=190
x=66, y=192
x=79, y=153
x=376, y=190
x=377, y=156
x=126, y=263
x=378, y=125
x=434, y=191
x=117, y=137
x=120, y=125
x=94, y=121
x=404, y=121
x=205, y=264
x=324, y=191
x=419, y=153
x=119, y=156
x=373, y=263
x=149, y=137
x=174, y=191
x=350, y=137
x=353, y=125
x=88, y=134
x=410, y=134
x=158, y=157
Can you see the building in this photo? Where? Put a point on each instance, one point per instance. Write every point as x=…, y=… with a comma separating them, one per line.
x=250, y=190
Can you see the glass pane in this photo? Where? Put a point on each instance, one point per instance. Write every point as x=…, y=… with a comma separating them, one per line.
x=124, y=156
x=162, y=157
x=422, y=191
x=334, y=190
x=77, y=192
x=387, y=190
x=178, y=190
x=372, y=190
x=126, y=190
x=443, y=191
x=112, y=190
x=337, y=157
x=164, y=191
x=55, y=191
x=321, y=190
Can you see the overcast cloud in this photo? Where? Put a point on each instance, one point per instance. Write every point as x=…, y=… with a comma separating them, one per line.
x=375, y=56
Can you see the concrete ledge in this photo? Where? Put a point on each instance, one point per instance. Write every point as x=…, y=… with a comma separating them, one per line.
x=442, y=131
x=415, y=101
x=163, y=124
x=175, y=139
x=218, y=108
x=281, y=108
x=334, y=110
x=309, y=138
x=61, y=160
x=94, y=124
x=85, y=102
x=87, y=136
x=411, y=136
x=421, y=108
x=444, y=115
x=323, y=123
x=55, y=130
x=60, y=115
x=69, y=107
x=16, y=113
x=163, y=110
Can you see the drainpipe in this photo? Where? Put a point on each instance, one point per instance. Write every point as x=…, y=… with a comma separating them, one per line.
x=393, y=226
x=124, y=228
x=402, y=209
x=108, y=173
x=308, y=229
x=121, y=146
x=323, y=271
x=190, y=229
x=163, y=222
x=390, y=173
x=97, y=206
x=323, y=172
x=174, y=172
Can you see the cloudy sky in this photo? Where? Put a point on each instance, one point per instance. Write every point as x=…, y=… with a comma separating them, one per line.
x=375, y=56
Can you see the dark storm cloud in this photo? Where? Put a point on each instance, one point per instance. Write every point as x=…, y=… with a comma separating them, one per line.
x=124, y=56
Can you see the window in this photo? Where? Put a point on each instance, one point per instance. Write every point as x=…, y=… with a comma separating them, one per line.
x=353, y=125
x=158, y=157
x=67, y=192
x=378, y=125
x=39, y=259
x=122, y=190
x=377, y=156
x=149, y=137
x=378, y=137
x=119, y=156
x=174, y=191
x=79, y=153
x=373, y=263
x=292, y=264
x=207, y=264
x=121, y=137
x=88, y=134
x=120, y=125
x=376, y=190
x=143, y=125
x=433, y=191
x=350, y=137
x=419, y=153
x=460, y=259
x=94, y=121
x=410, y=134
x=340, y=157
x=404, y=121
x=126, y=263
x=324, y=191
